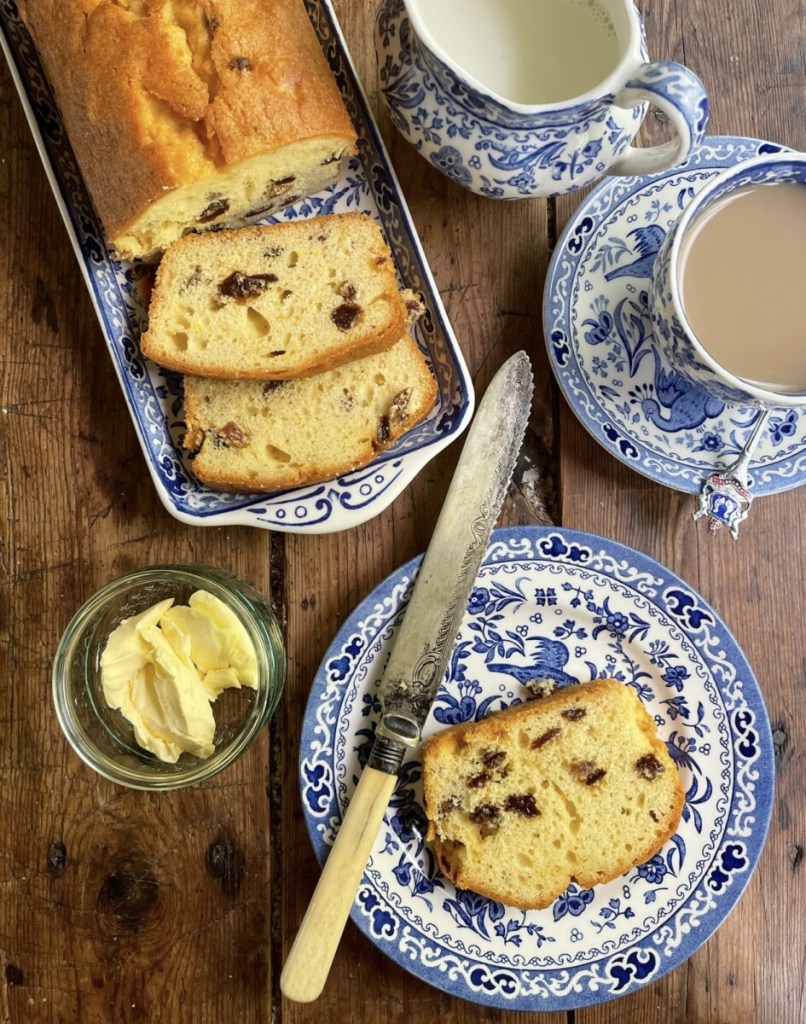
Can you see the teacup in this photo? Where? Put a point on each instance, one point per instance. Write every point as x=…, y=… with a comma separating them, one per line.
x=694, y=357
x=436, y=83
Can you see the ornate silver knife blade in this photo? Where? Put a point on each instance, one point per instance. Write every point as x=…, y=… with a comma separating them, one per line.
x=432, y=618
x=418, y=662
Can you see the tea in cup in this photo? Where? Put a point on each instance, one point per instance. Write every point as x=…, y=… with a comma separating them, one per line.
x=520, y=98
x=727, y=294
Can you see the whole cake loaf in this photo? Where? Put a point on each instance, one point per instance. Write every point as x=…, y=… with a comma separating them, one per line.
x=572, y=787
x=275, y=301
x=187, y=114
x=265, y=436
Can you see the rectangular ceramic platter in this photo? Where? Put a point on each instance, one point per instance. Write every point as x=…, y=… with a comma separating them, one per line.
x=154, y=397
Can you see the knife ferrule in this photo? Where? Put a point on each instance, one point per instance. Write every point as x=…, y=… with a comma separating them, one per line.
x=387, y=754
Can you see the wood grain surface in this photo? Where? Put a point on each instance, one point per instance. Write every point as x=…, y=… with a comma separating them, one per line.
x=118, y=906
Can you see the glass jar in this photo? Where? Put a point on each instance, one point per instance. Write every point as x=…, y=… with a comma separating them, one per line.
x=102, y=736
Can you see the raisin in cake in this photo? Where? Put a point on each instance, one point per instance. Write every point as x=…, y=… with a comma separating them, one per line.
x=573, y=787
x=275, y=301
x=190, y=114
x=265, y=436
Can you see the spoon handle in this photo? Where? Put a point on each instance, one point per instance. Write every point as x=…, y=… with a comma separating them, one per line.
x=725, y=496
x=738, y=469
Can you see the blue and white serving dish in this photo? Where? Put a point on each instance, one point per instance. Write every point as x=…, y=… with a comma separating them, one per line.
x=552, y=603
x=153, y=397
x=599, y=335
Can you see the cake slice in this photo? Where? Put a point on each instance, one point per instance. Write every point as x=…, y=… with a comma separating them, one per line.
x=573, y=787
x=266, y=436
x=277, y=301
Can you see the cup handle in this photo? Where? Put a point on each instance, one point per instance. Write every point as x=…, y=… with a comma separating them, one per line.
x=682, y=97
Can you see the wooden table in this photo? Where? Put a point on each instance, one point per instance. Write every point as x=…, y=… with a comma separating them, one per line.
x=118, y=906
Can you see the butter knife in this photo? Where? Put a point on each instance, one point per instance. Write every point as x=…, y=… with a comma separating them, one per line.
x=418, y=661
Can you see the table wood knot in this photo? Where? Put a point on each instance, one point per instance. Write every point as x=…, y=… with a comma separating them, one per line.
x=780, y=738
x=225, y=862
x=57, y=858
x=130, y=894
x=14, y=976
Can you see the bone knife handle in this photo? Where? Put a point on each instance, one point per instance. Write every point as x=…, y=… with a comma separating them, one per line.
x=308, y=963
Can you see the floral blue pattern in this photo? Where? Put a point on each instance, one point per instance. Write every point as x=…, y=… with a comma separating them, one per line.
x=551, y=600
x=153, y=397
x=486, y=146
x=600, y=338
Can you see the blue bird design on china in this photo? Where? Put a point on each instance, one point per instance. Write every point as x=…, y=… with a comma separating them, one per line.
x=548, y=662
x=600, y=333
x=678, y=404
x=564, y=606
x=648, y=241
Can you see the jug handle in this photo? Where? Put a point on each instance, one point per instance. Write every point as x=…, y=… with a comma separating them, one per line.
x=676, y=91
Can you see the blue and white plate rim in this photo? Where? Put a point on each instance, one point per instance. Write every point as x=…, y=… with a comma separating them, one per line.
x=441, y=974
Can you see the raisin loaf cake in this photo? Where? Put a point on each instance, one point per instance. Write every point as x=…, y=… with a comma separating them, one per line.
x=266, y=436
x=190, y=113
x=275, y=301
x=573, y=787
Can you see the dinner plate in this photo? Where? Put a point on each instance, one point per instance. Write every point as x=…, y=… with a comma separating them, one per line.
x=569, y=606
x=153, y=396
x=600, y=338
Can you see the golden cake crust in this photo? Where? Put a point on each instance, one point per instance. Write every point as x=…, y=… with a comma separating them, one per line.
x=159, y=94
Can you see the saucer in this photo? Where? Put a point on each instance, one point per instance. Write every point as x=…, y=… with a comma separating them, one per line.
x=599, y=338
